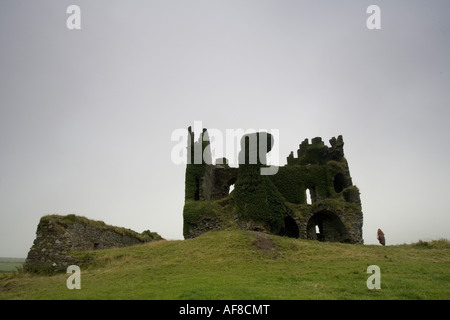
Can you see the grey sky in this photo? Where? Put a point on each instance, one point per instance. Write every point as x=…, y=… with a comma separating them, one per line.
x=86, y=116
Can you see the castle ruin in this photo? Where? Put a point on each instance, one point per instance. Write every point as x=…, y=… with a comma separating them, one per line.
x=311, y=197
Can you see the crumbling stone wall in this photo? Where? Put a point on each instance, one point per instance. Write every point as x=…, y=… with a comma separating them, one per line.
x=278, y=203
x=59, y=238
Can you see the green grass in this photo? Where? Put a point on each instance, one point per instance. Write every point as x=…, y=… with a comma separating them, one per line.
x=247, y=265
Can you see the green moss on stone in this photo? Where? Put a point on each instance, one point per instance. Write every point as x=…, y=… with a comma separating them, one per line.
x=258, y=199
x=58, y=223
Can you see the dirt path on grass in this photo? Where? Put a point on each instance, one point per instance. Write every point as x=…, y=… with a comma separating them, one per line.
x=263, y=242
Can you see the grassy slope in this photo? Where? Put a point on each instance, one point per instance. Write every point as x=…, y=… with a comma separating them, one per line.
x=246, y=265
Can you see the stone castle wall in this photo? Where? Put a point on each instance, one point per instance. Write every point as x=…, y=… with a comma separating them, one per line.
x=58, y=238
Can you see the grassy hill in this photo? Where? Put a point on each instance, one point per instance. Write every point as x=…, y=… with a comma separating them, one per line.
x=247, y=265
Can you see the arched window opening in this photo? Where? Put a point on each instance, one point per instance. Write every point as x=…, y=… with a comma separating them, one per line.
x=311, y=194
x=339, y=183
x=326, y=226
x=308, y=196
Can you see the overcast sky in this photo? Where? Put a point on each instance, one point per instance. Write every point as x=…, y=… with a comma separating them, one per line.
x=86, y=116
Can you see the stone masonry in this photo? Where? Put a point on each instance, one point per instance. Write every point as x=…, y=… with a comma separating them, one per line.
x=60, y=239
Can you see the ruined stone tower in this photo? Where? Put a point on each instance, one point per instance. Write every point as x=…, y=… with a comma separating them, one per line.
x=311, y=197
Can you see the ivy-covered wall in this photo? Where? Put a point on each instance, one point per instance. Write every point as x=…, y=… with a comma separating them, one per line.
x=257, y=199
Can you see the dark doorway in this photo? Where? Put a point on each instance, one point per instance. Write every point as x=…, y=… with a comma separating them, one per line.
x=326, y=226
x=289, y=228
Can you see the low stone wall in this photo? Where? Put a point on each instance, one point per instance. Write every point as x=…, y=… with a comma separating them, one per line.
x=58, y=238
